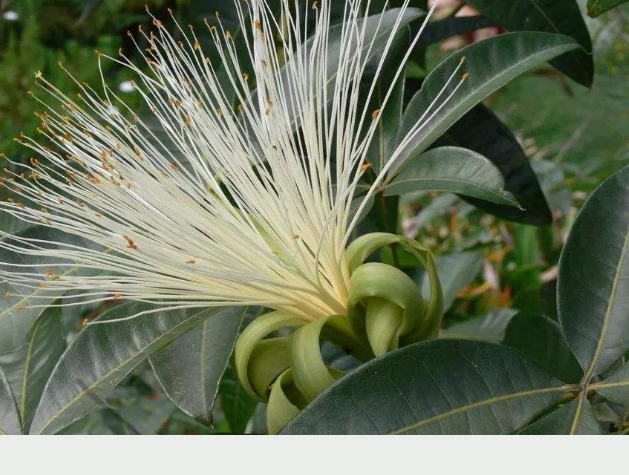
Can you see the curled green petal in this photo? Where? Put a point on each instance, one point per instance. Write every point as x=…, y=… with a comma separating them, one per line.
x=309, y=371
x=386, y=282
x=269, y=359
x=251, y=336
x=280, y=409
x=383, y=321
x=361, y=248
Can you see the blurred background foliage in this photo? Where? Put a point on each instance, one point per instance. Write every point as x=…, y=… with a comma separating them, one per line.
x=490, y=268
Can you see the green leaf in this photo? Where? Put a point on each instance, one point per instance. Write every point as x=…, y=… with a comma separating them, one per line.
x=541, y=340
x=455, y=271
x=616, y=386
x=455, y=170
x=552, y=16
x=560, y=421
x=483, y=132
x=377, y=30
x=593, y=281
x=491, y=64
x=434, y=387
x=9, y=415
x=191, y=367
x=236, y=404
x=21, y=306
x=102, y=355
x=489, y=328
x=45, y=345
x=598, y=7
x=383, y=144
x=440, y=30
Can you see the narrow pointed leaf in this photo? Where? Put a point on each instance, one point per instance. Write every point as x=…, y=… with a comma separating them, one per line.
x=102, y=355
x=45, y=345
x=483, y=132
x=552, y=16
x=9, y=416
x=455, y=170
x=190, y=368
x=491, y=64
x=435, y=387
x=593, y=282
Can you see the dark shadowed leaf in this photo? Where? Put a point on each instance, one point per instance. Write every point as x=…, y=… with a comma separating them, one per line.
x=560, y=421
x=541, y=340
x=491, y=64
x=237, y=405
x=435, y=387
x=482, y=131
x=593, y=282
x=552, y=16
x=190, y=368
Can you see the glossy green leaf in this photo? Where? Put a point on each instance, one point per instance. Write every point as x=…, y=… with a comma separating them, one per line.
x=101, y=355
x=552, y=16
x=541, y=340
x=561, y=421
x=238, y=407
x=435, y=387
x=593, y=281
x=456, y=271
x=455, y=170
x=9, y=415
x=482, y=131
x=598, y=7
x=491, y=64
x=191, y=367
x=45, y=345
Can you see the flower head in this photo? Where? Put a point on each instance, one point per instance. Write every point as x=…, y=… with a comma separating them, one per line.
x=236, y=188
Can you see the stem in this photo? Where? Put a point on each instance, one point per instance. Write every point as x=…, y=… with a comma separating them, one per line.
x=387, y=228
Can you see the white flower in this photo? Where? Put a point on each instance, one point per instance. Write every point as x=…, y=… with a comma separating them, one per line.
x=126, y=86
x=223, y=205
x=10, y=15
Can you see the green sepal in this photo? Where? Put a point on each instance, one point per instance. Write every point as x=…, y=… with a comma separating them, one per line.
x=386, y=282
x=309, y=371
x=249, y=339
x=280, y=410
x=269, y=359
x=382, y=321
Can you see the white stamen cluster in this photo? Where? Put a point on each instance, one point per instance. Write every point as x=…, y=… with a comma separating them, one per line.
x=242, y=194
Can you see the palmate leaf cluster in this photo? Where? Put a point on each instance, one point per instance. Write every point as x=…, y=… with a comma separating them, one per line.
x=536, y=333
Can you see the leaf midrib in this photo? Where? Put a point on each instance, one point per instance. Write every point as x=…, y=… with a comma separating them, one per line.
x=485, y=402
x=116, y=369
